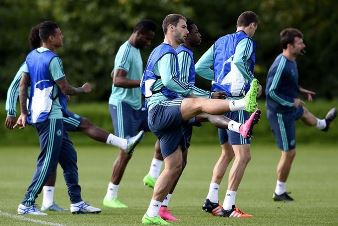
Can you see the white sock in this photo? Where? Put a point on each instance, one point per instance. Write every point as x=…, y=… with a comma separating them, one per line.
x=236, y=105
x=213, y=192
x=234, y=126
x=48, y=196
x=117, y=141
x=321, y=123
x=154, y=208
x=229, y=200
x=112, y=191
x=155, y=168
x=280, y=187
x=166, y=200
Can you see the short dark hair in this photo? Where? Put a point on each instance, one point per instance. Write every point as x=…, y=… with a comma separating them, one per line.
x=172, y=19
x=287, y=36
x=47, y=28
x=34, y=40
x=145, y=25
x=190, y=22
x=246, y=18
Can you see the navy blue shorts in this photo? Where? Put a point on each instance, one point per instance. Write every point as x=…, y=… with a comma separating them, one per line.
x=127, y=121
x=232, y=137
x=165, y=121
x=71, y=122
x=283, y=126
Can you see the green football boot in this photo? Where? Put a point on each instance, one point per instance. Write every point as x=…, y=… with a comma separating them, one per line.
x=149, y=181
x=251, y=96
x=153, y=220
x=113, y=203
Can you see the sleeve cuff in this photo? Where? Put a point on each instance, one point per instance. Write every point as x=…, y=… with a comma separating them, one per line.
x=11, y=113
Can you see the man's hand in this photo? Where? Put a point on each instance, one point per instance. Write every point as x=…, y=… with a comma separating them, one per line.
x=10, y=121
x=87, y=87
x=21, y=122
x=307, y=93
x=218, y=95
x=298, y=102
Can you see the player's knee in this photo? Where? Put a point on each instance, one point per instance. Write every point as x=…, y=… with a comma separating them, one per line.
x=179, y=167
x=194, y=104
x=176, y=168
x=244, y=159
x=184, y=164
x=227, y=155
x=291, y=154
x=247, y=158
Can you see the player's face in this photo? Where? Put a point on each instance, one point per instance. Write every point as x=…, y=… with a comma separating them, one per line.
x=57, y=38
x=298, y=46
x=181, y=31
x=144, y=39
x=194, y=37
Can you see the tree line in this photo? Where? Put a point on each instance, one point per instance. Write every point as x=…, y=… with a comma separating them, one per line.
x=94, y=30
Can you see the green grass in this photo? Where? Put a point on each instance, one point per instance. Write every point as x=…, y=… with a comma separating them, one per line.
x=313, y=182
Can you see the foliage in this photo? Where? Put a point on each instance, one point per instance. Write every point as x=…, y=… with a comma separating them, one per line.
x=94, y=30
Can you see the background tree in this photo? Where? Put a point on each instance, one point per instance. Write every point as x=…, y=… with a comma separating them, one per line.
x=94, y=30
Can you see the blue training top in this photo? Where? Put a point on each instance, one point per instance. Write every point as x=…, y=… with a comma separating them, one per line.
x=42, y=94
x=149, y=77
x=234, y=75
x=282, y=85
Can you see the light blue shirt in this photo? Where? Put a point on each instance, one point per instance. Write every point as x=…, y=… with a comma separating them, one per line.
x=128, y=58
x=13, y=91
x=184, y=63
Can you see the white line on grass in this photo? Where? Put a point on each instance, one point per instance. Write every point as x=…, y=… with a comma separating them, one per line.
x=22, y=218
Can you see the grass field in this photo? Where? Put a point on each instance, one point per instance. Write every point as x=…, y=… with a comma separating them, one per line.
x=313, y=183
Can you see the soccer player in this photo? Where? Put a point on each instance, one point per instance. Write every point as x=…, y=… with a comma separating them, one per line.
x=72, y=122
x=284, y=106
x=47, y=104
x=125, y=103
x=168, y=112
x=187, y=74
x=232, y=58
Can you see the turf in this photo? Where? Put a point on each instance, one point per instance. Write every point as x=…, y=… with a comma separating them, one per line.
x=313, y=183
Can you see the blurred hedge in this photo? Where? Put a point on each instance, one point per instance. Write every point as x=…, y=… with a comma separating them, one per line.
x=98, y=113
x=94, y=30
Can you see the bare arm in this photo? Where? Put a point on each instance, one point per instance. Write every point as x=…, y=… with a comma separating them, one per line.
x=68, y=89
x=120, y=79
x=24, y=83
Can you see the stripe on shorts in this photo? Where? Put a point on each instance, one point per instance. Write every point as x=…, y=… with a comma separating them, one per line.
x=283, y=132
